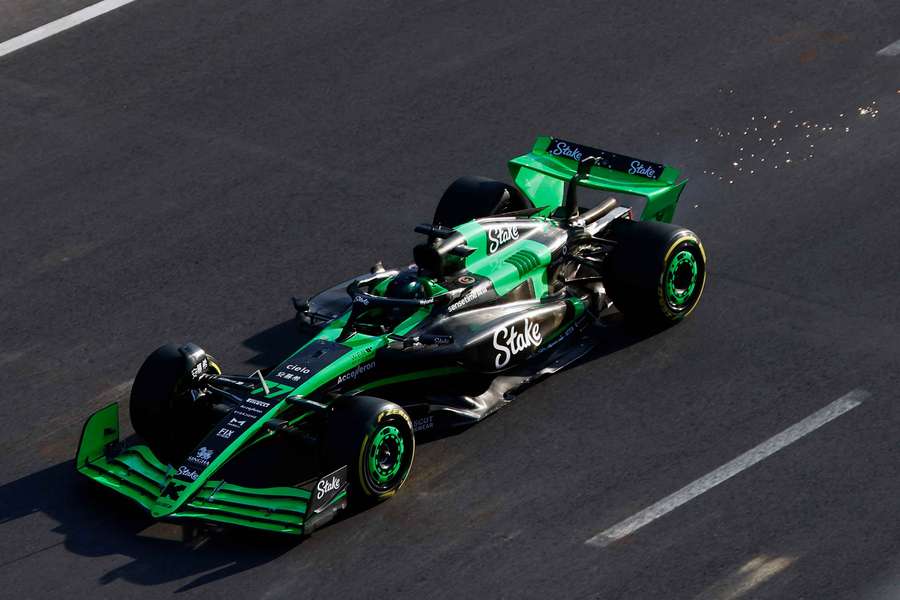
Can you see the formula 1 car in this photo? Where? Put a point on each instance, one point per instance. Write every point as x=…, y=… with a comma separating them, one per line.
x=503, y=290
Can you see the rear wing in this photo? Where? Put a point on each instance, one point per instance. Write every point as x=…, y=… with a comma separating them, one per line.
x=543, y=173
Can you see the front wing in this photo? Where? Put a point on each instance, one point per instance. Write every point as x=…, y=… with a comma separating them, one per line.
x=137, y=473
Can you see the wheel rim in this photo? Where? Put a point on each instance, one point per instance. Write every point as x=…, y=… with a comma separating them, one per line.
x=682, y=277
x=385, y=457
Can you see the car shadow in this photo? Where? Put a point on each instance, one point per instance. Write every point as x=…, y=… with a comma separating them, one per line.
x=276, y=343
x=96, y=522
x=613, y=333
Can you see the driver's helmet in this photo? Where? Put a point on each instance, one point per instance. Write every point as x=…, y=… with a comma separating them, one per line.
x=407, y=286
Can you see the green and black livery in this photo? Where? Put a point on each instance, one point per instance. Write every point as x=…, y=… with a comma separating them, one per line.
x=504, y=289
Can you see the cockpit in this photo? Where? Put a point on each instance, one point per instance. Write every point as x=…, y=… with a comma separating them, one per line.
x=380, y=304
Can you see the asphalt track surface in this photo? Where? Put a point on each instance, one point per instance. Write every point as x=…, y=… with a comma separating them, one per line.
x=176, y=171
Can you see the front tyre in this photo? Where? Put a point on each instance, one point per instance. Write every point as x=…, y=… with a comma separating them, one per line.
x=162, y=407
x=656, y=273
x=374, y=438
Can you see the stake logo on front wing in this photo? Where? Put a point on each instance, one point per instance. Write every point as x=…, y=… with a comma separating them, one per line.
x=326, y=488
x=509, y=341
x=327, y=485
x=188, y=473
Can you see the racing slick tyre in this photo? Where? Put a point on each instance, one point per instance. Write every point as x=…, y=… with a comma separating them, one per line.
x=162, y=407
x=374, y=438
x=471, y=197
x=656, y=273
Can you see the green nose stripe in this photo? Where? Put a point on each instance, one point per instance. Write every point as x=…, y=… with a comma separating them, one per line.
x=681, y=278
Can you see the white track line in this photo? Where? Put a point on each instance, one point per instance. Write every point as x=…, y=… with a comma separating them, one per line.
x=53, y=27
x=890, y=50
x=728, y=470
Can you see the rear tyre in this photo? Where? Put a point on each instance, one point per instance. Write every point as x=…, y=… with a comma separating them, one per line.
x=656, y=273
x=374, y=438
x=471, y=197
x=162, y=407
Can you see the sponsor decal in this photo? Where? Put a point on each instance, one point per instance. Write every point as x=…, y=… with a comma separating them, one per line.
x=304, y=365
x=285, y=376
x=610, y=160
x=468, y=298
x=361, y=300
x=327, y=488
x=258, y=402
x=248, y=415
x=225, y=433
x=638, y=168
x=499, y=235
x=187, y=473
x=558, y=339
x=509, y=341
x=356, y=372
x=200, y=368
x=327, y=485
x=561, y=148
x=358, y=356
x=202, y=456
x=423, y=424
x=466, y=280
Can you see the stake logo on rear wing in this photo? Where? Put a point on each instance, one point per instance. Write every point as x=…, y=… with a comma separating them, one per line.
x=610, y=160
x=542, y=176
